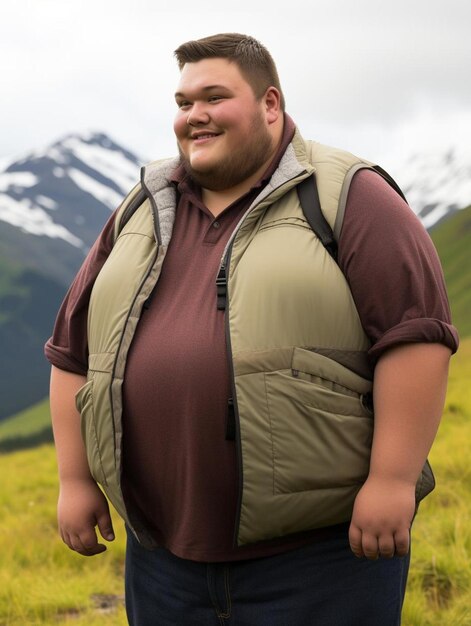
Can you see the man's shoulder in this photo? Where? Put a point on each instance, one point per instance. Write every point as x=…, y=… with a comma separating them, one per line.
x=320, y=153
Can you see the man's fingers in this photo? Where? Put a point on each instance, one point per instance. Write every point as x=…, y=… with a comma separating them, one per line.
x=386, y=546
x=105, y=526
x=92, y=551
x=402, y=541
x=370, y=545
x=87, y=547
x=66, y=539
x=354, y=536
x=84, y=543
x=364, y=544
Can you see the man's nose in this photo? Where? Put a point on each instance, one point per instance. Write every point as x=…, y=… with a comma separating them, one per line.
x=198, y=114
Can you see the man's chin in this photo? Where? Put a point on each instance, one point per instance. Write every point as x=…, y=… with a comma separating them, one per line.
x=205, y=176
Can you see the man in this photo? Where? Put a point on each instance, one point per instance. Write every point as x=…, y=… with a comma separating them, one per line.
x=230, y=425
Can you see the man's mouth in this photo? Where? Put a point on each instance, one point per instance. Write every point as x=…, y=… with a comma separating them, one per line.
x=201, y=136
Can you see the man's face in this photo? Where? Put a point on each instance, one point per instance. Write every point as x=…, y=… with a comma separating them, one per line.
x=221, y=128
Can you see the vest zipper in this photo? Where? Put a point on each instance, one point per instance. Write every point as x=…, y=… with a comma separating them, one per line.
x=222, y=281
x=222, y=275
x=225, y=265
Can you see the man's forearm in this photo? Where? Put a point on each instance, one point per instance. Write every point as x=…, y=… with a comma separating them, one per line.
x=71, y=455
x=409, y=394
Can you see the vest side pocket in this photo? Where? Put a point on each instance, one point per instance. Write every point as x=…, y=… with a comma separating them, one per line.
x=84, y=404
x=321, y=432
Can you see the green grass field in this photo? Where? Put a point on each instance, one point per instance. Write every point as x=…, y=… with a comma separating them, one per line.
x=452, y=239
x=42, y=582
x=28, y=429
x=439, y=590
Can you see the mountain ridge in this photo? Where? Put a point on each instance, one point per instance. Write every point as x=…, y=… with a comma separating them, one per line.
x=54, y=202
x=58, y=198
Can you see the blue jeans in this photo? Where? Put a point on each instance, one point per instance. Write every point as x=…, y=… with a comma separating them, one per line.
x=322, y=584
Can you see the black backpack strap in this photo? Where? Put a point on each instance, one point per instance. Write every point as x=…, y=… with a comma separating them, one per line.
x=309, y=199
x=389, y=179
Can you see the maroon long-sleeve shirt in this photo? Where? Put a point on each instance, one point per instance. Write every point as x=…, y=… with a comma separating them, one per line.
x=179, y=471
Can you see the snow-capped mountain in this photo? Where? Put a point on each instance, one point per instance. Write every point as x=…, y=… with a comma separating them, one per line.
x=34, y=187
x=57, y=199
x=436, y=183
x=53, y=203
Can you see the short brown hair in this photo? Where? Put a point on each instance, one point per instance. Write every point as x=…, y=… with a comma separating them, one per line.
x=253, y=59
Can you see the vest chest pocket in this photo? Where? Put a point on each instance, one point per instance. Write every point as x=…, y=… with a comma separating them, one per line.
x=321, y=432
x=84, y=404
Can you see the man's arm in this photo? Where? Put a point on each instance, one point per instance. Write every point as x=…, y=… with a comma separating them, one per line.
x=82, y=505
x=409, y=394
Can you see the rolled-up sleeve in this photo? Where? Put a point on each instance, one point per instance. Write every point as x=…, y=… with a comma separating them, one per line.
x=393, y=269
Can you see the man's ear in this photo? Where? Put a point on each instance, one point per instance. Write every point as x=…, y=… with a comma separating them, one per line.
x=272, y=102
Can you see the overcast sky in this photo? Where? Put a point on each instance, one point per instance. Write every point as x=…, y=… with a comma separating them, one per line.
x=378, y=78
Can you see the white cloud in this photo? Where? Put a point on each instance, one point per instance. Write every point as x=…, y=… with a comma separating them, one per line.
x=352, y=72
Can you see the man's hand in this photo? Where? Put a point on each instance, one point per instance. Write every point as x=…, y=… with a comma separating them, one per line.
x=382, y=517
x=82, y=506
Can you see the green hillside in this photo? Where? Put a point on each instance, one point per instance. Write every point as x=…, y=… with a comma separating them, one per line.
x=452, y=239
x=28, y=305
x=26, y=429
x=65, y=588
x=10, y=289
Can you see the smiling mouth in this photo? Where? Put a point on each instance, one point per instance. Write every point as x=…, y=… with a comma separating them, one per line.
x=204, y=136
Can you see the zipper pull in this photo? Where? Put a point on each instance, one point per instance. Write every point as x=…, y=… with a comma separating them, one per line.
x=221, y=288
x=230, y=421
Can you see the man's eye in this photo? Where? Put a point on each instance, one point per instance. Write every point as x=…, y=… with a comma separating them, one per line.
x=183, y=104
x=214, y=98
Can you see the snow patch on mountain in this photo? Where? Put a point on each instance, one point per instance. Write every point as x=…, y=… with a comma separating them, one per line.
x=112, y=164
x=32, y=219
x=26, y=214
x=436, y=183
x=17, y=180
x=47, y=203
x=105, y=194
